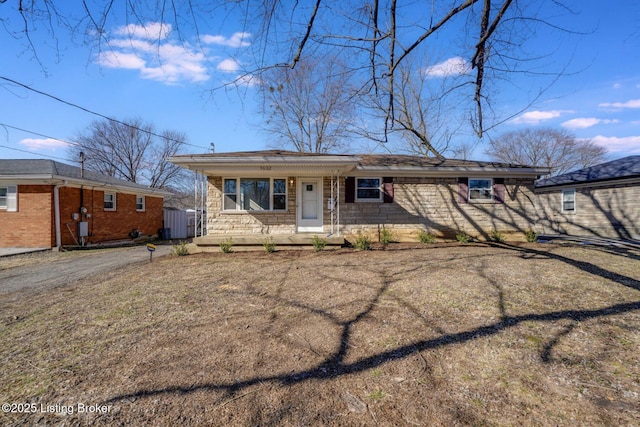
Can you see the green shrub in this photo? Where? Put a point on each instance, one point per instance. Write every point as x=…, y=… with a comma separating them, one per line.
x=318, y=243
x=386, y=236
x=463, y=237
x=363, y=243
x=531, y=236
x=497, y=236
x=269, y=245
x=180, y=248
x=226, y=245
x=425, y=237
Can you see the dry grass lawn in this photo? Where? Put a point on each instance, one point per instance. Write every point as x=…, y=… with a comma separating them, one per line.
x=500, y=335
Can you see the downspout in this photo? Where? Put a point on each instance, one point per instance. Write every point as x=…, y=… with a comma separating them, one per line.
x=56, y=213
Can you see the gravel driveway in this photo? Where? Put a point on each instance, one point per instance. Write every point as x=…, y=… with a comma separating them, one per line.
x=50, y=270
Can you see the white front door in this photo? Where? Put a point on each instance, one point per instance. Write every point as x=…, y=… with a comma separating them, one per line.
x=310, y=205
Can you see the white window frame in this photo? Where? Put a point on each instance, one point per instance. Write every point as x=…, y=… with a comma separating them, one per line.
x=10, y=199
x=111, y=209
x=238, y=196
x=562, y=200
x=475, y=200
x=369, y=199
x=143, y=203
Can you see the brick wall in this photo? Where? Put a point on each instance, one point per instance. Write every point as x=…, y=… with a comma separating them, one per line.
x=611, y=211
x=32, y=225
x=107, y=225
x=429, y=204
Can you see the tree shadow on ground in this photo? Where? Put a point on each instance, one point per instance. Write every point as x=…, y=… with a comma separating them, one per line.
x=335, y=365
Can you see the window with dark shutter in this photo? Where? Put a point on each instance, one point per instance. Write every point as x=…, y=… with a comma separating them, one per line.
x=349, y=189
x=463, y=190
x=387, y=189
x=498, y=190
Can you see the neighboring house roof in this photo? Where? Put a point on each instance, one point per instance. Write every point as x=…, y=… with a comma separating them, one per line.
x=52, y=172
x=348, y=163
x=621, y=169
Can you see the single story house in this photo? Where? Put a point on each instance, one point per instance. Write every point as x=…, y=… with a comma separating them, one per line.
x=602, y=200
x=44, y=204
x=283, y=192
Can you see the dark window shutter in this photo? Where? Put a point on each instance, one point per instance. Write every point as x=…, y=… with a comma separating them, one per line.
x=349, y=189
x=463, y=190
x=387, y=189
x=498, y=190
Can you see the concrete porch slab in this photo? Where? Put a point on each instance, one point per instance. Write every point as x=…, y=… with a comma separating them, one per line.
x=243, y=242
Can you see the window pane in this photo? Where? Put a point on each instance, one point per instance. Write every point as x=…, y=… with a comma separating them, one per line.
x=230, y=186
x=279, y=186
x=230, y=202
x=368, y=182
x=3, y=191
x=368, y=193
x=3, y=197
x=254, y=194
x=480, y=189
x=279, y=202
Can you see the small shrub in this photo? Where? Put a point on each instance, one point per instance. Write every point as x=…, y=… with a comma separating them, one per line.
x=180, y=248
x=363, y=243
x=497, y=236
x=269, y=245
x=226, y=245
x=386, y=236
x=531, y=236
x=318, y=243
x=425, y=237
x=463, y=237
x=377, y=395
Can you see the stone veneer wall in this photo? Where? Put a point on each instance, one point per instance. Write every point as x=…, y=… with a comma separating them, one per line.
x=254, y=222
x=429, y=204
x=611, y=211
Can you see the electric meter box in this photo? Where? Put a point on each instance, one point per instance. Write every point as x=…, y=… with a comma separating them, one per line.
x=83, y=229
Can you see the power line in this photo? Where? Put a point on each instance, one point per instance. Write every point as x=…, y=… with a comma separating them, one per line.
x=71, y=104
x=33, y=152
x=38, y=134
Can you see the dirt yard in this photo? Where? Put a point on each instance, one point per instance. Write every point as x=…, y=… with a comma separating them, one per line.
x=532, y=335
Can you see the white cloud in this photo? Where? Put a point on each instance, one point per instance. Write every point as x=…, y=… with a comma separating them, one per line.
x=114, y=59
x=535, y=117
x=228, y=65
x=239, y=39
x=146, y=48
x=43, y=144
x=150, y=31
x=450, y=67
x=634, y=103
x=617, y=86
x=586, y=122
x=166, y=62
x=627, y=144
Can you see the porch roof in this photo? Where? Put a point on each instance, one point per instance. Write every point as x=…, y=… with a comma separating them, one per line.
x=270, y=162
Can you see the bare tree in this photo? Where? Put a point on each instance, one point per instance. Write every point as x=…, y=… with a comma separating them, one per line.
x=557, y=149
x=130, y=150
x=310, y=107
x=494, y=38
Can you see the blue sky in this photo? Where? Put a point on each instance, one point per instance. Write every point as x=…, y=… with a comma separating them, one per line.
x=168, y=84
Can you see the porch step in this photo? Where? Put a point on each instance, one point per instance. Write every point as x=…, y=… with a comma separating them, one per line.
x=255, y=241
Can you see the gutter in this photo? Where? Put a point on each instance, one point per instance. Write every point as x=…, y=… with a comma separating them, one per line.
x=56, y=212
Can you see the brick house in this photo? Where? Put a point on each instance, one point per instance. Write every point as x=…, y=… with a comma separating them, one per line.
x=602, y=201
x=285, y=193
x=44, y=203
